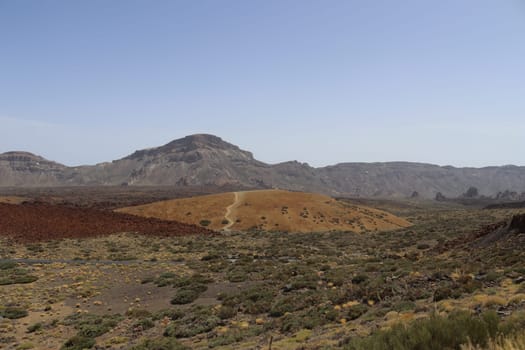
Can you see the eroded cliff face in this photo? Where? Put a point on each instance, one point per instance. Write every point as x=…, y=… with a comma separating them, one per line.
x=27, y=169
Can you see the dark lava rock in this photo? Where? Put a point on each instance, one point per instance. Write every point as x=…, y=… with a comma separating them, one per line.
x=517, y=224
x=502, y=232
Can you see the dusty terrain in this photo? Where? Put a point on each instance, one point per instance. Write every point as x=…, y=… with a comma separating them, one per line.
x=271, y=210
x=42, y=221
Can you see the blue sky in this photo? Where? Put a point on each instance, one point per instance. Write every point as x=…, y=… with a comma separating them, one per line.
x=321, y=82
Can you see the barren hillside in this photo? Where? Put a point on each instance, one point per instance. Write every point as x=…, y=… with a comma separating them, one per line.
x=272, y=210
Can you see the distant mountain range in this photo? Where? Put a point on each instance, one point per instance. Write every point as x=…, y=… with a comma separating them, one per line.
x=199, y=160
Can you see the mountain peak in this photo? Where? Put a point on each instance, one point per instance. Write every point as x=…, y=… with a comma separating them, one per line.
x=193, y=147
x=201, y=140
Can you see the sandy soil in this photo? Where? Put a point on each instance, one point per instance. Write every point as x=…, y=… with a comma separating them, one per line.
x=192, y=210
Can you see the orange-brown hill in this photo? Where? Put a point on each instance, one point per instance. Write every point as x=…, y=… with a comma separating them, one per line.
x=271, y=210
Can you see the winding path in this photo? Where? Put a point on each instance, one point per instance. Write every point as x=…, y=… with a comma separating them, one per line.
x=237, y=201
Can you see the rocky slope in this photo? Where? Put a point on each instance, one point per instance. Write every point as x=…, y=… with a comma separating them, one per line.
x=198, y=160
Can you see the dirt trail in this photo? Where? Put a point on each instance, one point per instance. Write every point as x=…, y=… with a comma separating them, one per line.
x=236, y=202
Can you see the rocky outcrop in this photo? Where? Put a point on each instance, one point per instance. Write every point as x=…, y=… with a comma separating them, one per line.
x=501, y=232
x=517, y=224
x=27, y=169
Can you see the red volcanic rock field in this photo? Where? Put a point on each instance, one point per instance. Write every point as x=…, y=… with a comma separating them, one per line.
x=41, y=221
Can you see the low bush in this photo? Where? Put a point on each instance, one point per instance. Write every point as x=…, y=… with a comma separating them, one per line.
x=78, y=342
x=356, y=311
x=234, y=335
x=254, y=300
x=226, y=312
x=308, y=319
x=13, y=313
x=197, y=320
x=359, y=279
x=205, y=223
x=88, y=327
x=34, y=327
x=185, y=296
x=10, y=273
x=160, y=344
x=144, y=324
x=435, y=333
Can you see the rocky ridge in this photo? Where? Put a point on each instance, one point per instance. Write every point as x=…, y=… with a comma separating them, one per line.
x=203, y=160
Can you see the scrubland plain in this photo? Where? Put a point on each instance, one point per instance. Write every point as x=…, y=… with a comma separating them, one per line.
x=255, y=288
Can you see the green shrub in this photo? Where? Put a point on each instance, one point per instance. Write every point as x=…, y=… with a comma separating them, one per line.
x=211, y=256
x=78, y=342
x=165, y=279
x=11, y=274
x=149, y=279
x=195, y=321
x=308, y=319
x=172, y=314
x=356, y=311
x=336, y=276
x=160, y=344
x=92, y=326
x=138, y=313
x=144, y=323
x=234, y=335
x=185, y=296
x=255, y=300
x=226, y=312
x=359, y=279
x=237, y=276
x=34, y=327
x=442, y=293
x=7, y=265
x=404, y=306
x=435, y=333
x=292, y=303
x=13, y=313
x=205, y=223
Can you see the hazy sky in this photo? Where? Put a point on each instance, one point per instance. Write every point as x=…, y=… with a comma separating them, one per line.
x=322, y=82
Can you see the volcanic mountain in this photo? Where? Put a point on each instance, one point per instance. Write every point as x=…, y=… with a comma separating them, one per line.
x=192, y=160
x=207, y=160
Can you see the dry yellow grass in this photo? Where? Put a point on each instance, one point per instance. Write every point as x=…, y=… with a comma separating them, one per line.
x=271, y=210
x=490, y=300
x=516, y=342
